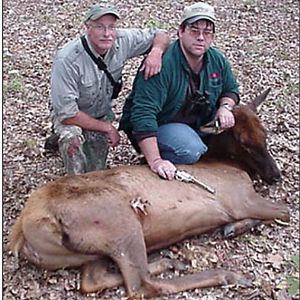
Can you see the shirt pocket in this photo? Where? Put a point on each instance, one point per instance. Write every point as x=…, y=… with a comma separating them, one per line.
x=88, y=94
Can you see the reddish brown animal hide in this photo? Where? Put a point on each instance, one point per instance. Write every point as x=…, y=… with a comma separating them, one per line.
x=245, y=143
x=80, y=220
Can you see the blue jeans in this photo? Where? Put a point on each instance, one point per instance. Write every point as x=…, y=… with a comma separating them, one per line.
x=179, y=143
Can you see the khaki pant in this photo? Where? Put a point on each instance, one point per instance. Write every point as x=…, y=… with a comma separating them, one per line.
x=90, y=155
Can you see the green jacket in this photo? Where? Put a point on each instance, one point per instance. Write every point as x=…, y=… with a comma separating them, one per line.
x=156, y=101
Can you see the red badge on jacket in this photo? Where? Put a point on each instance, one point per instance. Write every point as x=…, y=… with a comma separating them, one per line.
x=214, y=75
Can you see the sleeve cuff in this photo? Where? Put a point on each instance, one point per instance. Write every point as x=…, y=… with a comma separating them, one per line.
x=235, y=97
x=139, y=136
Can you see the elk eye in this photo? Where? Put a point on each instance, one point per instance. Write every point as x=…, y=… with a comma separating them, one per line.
x=248, y=149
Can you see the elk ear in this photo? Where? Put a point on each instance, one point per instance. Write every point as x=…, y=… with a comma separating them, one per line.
x=254, y=105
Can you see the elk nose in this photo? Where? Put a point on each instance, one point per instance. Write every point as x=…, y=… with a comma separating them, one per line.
x=277, y=178
x=274, y=179
x=272, y=173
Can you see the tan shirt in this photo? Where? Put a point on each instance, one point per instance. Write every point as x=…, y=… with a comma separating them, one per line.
x=78, y=85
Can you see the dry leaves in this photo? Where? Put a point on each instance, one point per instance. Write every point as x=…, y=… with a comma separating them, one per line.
x=261, y=39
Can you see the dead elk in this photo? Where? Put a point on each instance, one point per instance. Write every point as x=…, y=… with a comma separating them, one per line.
x=125, y=212
x=83, y=220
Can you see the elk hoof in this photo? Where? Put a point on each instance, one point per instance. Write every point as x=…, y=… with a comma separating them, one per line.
x=229, y=231
x=240, y=227
x=237, y=279
x=245, y=282
x=178, y=265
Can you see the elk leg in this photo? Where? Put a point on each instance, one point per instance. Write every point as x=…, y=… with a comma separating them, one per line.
x=203, y=279
x=125, y=245
x=266, y=210
x=239, y=227
x=137, y=278
x=96, y=275
x=126, y=248
x=253, y=206
x=96, y=278
x=133, y=262
x=134, y=267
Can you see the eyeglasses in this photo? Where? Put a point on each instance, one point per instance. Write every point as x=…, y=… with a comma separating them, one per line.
x=195, y=32
x=103, y=28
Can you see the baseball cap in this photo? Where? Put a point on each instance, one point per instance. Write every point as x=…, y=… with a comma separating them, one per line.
x=96, y=11
x=198, y=11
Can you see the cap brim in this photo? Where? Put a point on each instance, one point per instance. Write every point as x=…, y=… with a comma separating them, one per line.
x=197, y=18
x=103, y=13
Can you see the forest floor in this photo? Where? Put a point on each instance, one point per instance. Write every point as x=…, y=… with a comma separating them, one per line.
x=260, y=38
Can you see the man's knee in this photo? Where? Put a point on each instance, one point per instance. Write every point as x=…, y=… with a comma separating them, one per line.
x=180, y=144
x=70, y=145
x=74, y=159
x=190, y=153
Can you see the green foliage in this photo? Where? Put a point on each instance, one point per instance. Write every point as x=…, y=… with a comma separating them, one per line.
x=154, y=23
x=296, y=261
x=248, y=2
x=15, y=85
x=293, y=88
x=30, y=143
x=280, y=103
x=294, y=280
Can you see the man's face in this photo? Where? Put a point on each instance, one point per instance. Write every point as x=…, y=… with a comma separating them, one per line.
x=196, y=38
x=102, y=33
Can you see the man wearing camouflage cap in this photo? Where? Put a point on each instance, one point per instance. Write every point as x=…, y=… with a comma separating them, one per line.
x=82, y=92
x=162, y=116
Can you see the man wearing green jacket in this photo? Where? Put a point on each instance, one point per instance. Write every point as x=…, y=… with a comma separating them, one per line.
x=162, y=115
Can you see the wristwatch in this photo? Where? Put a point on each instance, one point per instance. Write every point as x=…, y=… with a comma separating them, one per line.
x=227, y=106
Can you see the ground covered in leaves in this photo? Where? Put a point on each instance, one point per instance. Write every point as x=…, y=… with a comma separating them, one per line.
x=261, y=38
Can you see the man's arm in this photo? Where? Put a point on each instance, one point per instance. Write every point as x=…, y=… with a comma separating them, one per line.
x=64, y=92
x=146, y=102
x=163, y=168
x=224, y=114
x=153, y=62
x=224, y=101
x=87, y=122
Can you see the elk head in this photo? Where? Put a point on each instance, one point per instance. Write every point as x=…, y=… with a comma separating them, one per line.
x=245, y=143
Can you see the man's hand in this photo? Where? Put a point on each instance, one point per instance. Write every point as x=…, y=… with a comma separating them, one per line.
x=87, y=122
x=224, y=113
x=152, y=64
x=225, y=117
x=112, y=135
x=163, y=168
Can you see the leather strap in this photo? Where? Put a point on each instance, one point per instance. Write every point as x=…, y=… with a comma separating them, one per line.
x=98, y=61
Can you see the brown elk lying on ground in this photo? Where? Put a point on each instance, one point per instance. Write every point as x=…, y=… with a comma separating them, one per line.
x=125, y=212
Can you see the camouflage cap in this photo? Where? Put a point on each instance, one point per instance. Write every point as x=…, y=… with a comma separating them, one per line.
x=198, y=11
x=96, y=11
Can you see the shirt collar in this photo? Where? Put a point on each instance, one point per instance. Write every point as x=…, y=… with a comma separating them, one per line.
x=183, y=59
